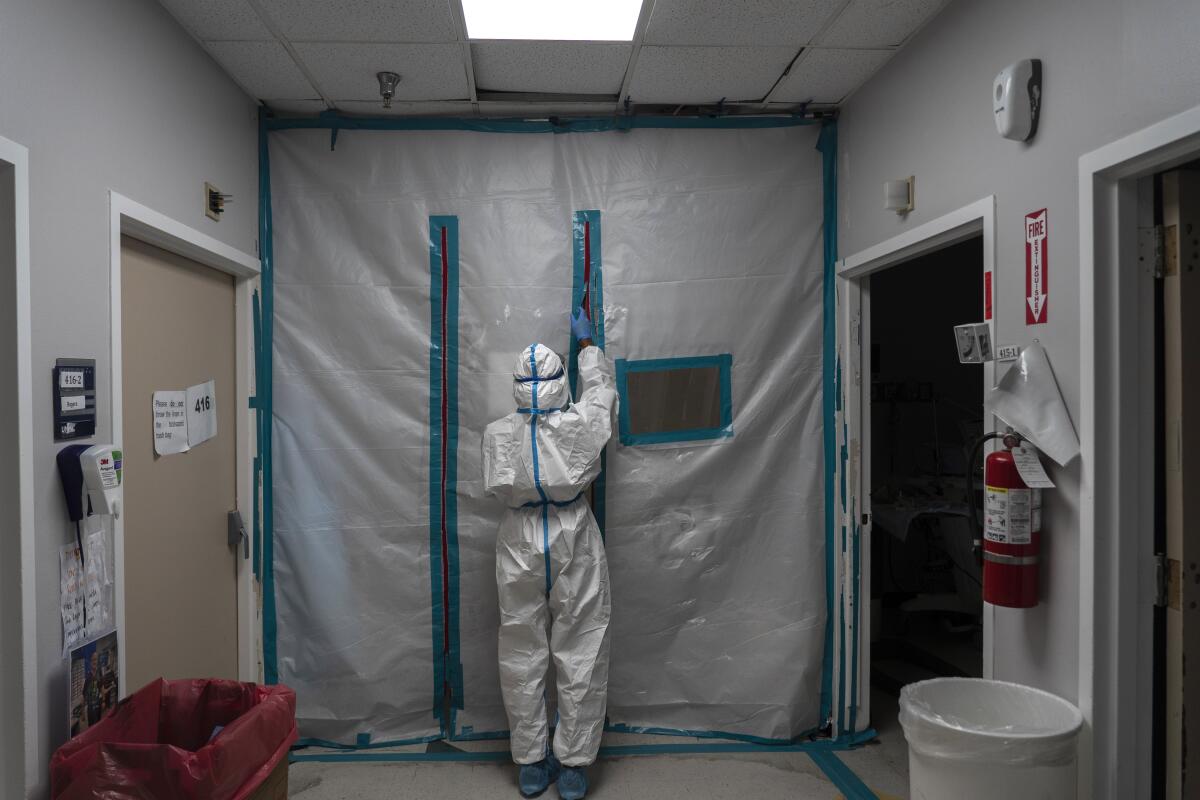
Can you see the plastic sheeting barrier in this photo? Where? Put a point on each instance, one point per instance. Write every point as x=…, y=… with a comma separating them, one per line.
x=712, y=244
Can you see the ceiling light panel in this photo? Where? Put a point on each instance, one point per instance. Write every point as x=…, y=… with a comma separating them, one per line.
x=556, y=20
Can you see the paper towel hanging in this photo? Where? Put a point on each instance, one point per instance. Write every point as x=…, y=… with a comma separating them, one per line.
x=1028, y=399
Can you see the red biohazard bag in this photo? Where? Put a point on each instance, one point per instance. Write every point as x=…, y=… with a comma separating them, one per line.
x=188, y=739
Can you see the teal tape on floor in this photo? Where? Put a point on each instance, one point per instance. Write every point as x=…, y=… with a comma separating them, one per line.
x=818, y=746
x=842, y=776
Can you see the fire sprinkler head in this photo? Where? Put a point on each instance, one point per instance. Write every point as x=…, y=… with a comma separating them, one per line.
x=387, y=86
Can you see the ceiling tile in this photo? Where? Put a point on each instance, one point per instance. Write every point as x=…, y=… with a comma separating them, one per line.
x=362, y=20
x=879, y=23
x=264, y=69
x=347, y=71
x=828, y=76
x=556, y=67
x=706, y=74
x=297, y=106
x=738, y=22
x=442, y=108
x=219, y=19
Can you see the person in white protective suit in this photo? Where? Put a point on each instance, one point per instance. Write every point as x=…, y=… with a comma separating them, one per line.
x=550, y=560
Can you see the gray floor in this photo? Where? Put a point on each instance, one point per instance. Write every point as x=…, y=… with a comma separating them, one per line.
x=882, y=765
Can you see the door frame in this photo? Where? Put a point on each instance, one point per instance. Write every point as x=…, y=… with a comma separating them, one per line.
x=25, y=571
x=1116, y=519
x=854, y=336
x=130, y=218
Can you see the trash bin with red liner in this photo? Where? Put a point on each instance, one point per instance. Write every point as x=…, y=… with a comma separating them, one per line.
x=184, y=739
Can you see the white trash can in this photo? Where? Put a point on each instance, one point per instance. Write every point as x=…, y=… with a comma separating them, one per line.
x=988, y=740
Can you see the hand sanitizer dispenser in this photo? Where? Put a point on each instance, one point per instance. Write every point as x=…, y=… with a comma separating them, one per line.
x=92, y=472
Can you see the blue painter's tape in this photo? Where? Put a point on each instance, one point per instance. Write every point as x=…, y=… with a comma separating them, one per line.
x=587, y=280
x=443, y=501
x=334, y=121
x=827, y=145
x=363, y=742
x=264, y=392
x=469, y=735
x=723, y=362
x=436, y=355
x=842, y=776
x=454, y=668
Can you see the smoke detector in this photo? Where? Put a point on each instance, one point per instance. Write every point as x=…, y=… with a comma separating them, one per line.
x=387, y=86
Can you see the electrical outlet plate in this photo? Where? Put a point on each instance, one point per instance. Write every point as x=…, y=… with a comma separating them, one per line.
x=210, y=192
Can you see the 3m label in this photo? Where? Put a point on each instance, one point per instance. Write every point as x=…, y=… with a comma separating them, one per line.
x=1008, y=515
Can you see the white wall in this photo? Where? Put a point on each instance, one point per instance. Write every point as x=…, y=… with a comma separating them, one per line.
x=106, y=95
x=1109, y=68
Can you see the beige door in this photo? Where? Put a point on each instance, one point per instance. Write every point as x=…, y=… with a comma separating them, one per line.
x=177, y=330
x=1181, y=397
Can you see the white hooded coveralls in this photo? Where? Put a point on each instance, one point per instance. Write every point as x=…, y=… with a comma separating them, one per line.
x=549, y=554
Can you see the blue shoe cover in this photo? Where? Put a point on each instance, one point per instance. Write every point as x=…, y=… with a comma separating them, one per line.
x=536, y=778
x=572, y=784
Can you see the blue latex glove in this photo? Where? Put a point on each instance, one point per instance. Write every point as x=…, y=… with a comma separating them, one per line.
x=581, y=326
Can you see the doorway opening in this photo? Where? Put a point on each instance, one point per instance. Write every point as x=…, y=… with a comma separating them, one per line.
x=1173, y=250
x=925, y=413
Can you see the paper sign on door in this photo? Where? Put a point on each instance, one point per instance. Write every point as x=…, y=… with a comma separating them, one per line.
x=170, y=423
x=184, y=419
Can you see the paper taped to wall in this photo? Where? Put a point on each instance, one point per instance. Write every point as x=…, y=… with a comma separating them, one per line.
x=1028, y=399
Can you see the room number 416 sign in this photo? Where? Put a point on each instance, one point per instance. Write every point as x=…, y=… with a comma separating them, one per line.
x=1037, y=295
x=202, y=412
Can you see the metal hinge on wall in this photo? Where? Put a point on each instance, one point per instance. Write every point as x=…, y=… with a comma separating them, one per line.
x=1158, y=250
x=1166, y=581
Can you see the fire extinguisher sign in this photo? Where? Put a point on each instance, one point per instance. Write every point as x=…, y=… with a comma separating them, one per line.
x=1036, y=268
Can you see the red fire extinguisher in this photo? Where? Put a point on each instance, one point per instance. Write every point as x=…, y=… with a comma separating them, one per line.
x=1012, y=531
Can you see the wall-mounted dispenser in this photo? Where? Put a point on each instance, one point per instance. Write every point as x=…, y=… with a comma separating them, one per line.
x=1017, y=99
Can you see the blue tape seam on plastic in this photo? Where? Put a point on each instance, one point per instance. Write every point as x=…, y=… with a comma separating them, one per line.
x=334, y=121
x=454, y=669
x=842, y=776
x=537, y=478
x=587, y=280
x=827, y=145
x=724, y=363
x=436, y=590
x=263, y=392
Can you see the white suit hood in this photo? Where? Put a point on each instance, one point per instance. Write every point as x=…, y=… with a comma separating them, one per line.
x=540, y=362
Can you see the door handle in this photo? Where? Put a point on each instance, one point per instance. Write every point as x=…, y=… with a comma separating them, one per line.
x=236, y=533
